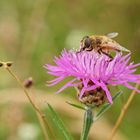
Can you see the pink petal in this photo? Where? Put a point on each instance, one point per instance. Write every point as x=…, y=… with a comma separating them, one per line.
x=107, y=92
x=55, y=81
x=66, y=85
x=82, y=93
x=91, y=88
x=131, y=87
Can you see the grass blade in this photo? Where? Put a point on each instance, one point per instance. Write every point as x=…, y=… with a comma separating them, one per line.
x=75, y=105
x=58, y=122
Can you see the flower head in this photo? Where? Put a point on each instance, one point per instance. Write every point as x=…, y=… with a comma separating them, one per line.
x=93, y=71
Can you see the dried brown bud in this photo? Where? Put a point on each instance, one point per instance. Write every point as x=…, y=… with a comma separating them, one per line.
x=28, y=82
x=1, y=64
x=9, y=64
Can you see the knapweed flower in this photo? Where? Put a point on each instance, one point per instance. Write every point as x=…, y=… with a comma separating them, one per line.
x=92, y=72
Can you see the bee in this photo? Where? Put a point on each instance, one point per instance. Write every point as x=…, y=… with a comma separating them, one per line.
x=103, y=44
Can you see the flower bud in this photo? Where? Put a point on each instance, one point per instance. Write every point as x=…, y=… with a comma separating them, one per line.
x=28, y=82
x=95, y=97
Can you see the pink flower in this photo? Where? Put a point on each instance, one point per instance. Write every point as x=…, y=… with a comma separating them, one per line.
x=92, y=67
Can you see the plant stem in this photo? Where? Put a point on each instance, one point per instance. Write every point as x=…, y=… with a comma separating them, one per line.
x=42, y=124
x=123, y=112
x=41, y=116
x=88, y=120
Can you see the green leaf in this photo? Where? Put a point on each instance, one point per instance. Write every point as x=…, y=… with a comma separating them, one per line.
x=106, y=107
x=58, y=122
x=75, y=105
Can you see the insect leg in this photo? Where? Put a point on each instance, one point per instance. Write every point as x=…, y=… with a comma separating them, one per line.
x=111, y=58
x=99, y=51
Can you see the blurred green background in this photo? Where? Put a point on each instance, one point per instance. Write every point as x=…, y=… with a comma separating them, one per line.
x=32, y=32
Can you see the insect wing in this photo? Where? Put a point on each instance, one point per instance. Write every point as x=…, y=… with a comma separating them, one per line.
x=115, y=46
x=112, y=35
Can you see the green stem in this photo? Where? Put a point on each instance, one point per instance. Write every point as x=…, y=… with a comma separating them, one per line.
x=88, y=120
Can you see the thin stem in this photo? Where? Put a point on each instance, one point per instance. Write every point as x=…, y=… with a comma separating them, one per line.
x=41, y=116
x=41, y=121
x=25, y=91
x=88, y=120
x=123, y=112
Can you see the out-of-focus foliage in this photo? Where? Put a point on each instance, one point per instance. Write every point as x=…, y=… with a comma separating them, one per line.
x=32, y=32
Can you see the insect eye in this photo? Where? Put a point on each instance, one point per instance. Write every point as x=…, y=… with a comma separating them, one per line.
x=87, y=42
x=85, y=37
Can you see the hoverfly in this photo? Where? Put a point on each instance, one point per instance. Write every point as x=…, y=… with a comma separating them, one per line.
x=102, y=44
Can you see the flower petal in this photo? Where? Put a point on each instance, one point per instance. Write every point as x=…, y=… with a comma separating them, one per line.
x=107, y=92
x=66, y=85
